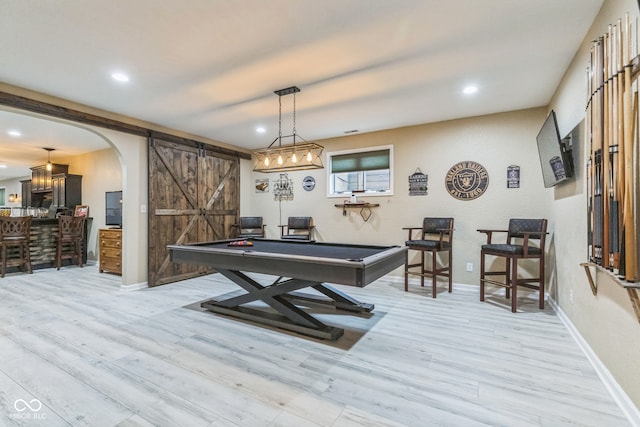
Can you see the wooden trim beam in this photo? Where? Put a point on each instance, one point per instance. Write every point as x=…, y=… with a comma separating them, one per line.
x=35, y=106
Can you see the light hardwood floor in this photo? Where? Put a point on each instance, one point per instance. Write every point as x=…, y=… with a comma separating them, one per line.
x=93, y=355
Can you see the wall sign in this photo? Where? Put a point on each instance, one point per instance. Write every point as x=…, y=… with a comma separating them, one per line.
x=418, y=183
x=513, y=176
x=262, y=185
x=309, y=183
x=283, y=188
x=467, y=180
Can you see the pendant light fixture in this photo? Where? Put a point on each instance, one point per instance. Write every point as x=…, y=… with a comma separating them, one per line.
x=292, y=157
x=49, y=150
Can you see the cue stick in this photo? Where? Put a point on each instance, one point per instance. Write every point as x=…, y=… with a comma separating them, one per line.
x=620, y=167
x=636, y=172
x=632, y=242
x=606, y=137
x=597, y=151
x=617, y=182
x=598, y=209
x=592, y=141
x=614, y=244
x=629, y=237
x=613, y=149
x=587, y=143
x=627, y=215
x=621, y=151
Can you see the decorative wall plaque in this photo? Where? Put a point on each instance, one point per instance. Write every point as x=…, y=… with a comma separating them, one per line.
x=262, y=185
x=283, y=188
x=513, y=176
x=418, y=183
x=309, y=183
x=467, y=180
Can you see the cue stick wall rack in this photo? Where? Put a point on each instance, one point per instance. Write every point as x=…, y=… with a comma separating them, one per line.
x=632, y=288
x=365, y=209
x=611, y=136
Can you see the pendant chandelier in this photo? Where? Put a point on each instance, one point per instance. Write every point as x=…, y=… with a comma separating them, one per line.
x=49, y=150
x=292, y=157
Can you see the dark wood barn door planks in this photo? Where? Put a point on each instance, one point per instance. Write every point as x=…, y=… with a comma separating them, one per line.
x=193, y=197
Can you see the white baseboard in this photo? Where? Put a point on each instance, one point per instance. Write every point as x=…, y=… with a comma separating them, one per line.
x=416, y=282
x=628, y=408
x=134, y=287
x=617, y=393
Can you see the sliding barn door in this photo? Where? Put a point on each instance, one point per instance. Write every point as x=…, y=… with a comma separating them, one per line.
x=193, y=197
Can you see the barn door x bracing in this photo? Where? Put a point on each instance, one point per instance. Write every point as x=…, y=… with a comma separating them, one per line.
x=193, y=197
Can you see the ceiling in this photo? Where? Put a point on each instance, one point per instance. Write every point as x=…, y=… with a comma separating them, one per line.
x=210, y=67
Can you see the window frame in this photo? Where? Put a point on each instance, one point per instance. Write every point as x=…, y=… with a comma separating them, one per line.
x=331, y=154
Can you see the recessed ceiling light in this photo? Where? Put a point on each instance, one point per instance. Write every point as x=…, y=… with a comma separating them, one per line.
x=15, y=133
x=3, y=166
x=120, y=77
x=468, y=90
x=261, y=129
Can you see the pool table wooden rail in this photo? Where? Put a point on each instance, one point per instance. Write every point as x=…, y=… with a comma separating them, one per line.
x=351, y=272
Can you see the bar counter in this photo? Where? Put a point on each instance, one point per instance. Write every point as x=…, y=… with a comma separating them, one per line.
x=43, y=242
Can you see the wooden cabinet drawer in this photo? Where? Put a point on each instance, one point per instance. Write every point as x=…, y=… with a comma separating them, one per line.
x=110, y=250
x=115, y=234
x=110, y=243
x=110, y=264
x=107, y=252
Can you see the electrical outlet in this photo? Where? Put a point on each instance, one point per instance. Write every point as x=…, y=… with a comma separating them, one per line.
x=571, y=296
x=469, y=266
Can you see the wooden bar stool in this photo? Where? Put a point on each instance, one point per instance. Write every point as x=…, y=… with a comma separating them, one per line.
x=436, y=235
x=69, y=239
x=520, y=244
x=15, y=236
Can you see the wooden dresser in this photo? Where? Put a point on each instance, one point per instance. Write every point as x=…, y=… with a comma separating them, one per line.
x=110, y=243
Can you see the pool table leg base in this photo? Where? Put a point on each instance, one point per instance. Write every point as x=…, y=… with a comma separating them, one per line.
x=337, y=299
x=272, y=319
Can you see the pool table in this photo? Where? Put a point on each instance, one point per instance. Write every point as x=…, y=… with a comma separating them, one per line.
x=296, y=265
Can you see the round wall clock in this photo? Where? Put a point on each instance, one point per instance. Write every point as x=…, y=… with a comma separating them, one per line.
x=467, y=180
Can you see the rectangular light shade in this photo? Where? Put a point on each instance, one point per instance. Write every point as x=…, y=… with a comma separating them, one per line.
x=289, y=158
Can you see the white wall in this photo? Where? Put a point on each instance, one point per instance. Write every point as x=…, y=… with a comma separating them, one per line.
x=131, y=151
x=13, y=186
x=122, y=167
x=607, y=321
x=101, y=171
x=495, y=141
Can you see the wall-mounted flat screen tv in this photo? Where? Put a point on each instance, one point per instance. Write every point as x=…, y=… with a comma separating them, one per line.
x=113, y=209
x=555, y=153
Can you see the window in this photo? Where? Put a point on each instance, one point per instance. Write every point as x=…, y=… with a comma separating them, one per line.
x=2, y=191
x=367, y=170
